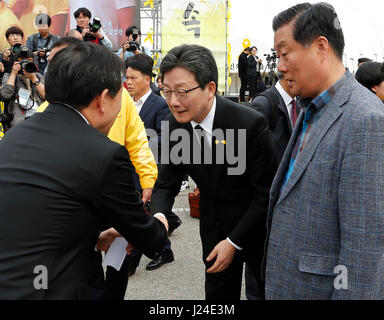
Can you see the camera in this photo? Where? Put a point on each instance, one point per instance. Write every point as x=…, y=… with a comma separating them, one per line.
x=94, y=27
x=16, y=48
x=28, y=66
x=271, y=57
x=134, y=45
x=43, y=59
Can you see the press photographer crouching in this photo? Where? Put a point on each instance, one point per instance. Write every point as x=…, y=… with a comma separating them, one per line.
x=132, y=46
x=91, y=31
x=22, y=88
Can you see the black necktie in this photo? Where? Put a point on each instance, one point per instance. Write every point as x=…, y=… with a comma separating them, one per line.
x=206, y=153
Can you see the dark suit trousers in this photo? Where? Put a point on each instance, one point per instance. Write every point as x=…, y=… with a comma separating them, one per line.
x=252, y=84
x=225, y=285
x=243, y=88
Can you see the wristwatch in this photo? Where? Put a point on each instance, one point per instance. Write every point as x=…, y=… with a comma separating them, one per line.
x=36, y=83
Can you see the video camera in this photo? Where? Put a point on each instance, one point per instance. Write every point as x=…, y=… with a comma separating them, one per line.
x=134, y=45
x=94, y=27
x=271, y=57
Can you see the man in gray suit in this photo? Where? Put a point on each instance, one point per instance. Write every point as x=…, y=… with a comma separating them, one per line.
x=326, y=213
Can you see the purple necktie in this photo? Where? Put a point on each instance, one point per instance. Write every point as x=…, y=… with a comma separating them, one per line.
x=293, y=113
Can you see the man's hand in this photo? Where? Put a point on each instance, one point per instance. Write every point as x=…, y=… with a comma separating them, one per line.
x=6, y=54
x=147, y=193
x=106, y=238
x=224, y=253
x=41, y=53
x=125, y=46
x=163, y=220
x=85, y=31
x=16, y=68
x=97, y=34
x=30, y=76
x=1, y=67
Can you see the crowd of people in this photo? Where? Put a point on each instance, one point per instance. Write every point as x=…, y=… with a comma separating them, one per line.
x=291, y=185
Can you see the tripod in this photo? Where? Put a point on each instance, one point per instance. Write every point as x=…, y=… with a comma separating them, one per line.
x=270, y=80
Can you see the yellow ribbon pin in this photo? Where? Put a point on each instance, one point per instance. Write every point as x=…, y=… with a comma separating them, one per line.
x=222, y=141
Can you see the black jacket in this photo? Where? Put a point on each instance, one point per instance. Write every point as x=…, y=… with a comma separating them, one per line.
x=62, y=181
x=231, y=206
x=243, y=65
x=282, y=127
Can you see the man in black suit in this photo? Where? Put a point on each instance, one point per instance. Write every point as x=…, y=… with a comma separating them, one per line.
x=242, y=68
x=280, y=109
x=233, y=190
x=73, y=181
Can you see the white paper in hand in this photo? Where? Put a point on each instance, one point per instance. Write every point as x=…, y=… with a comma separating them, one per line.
x=116, y=253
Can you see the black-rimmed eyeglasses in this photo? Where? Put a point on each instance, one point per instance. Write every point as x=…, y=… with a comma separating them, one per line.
x=180, y=94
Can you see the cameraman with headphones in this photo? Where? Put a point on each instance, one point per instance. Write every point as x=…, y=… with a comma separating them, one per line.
x=132, y=45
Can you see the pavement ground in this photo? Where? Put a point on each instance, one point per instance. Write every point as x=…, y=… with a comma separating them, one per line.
x=182, y=279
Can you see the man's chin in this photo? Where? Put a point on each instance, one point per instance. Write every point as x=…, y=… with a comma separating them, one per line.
x=181, y=118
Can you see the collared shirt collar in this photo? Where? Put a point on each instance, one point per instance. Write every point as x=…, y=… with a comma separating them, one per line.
x=207, y=123
x=144, y=97
x=67, y=105
x=326, y=96
x=286, y=97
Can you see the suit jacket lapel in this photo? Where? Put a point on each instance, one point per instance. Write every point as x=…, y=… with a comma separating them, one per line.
x=330, y=115
x=283, y=108
x=218, y=123
x=146, y=106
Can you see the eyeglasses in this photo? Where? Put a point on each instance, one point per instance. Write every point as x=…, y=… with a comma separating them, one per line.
x=180, y=94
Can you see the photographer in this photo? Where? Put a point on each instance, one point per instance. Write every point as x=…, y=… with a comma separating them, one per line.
x=132, y=45
x=253, y=72
x=91, y=32
x=41, y=42
x=14, y=36
x=23, y=87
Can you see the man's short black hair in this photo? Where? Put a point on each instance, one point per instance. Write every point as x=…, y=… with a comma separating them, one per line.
x=69, y=41
x=43, y=18
x=370, y=74
x=84, y=11
x=14, y=30
x=140, y=62
x=194, y=58
x=362, y=60
x=78, y=74
x=311, y=22
x=130, y=29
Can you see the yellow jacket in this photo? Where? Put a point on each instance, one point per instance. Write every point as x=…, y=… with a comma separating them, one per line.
x=128, y=130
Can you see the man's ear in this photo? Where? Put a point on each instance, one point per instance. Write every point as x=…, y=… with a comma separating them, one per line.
x=211, y=89
x=100, y=101
x=322, y=45
x=374, y=89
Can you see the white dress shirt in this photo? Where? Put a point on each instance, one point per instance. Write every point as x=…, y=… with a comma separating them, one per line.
x=207, y=125
x=287, y=99
x=139, y=103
